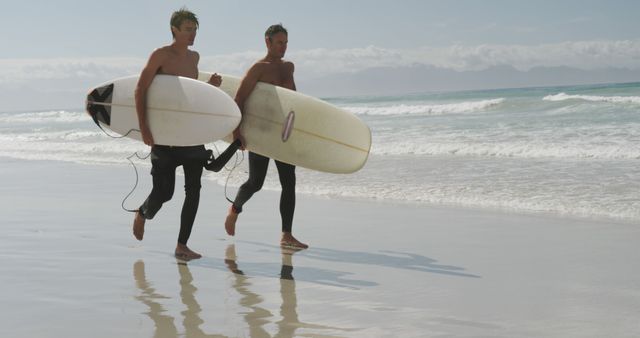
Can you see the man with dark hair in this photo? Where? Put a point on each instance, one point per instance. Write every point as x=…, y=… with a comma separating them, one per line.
x=180, y=16
x=274, y=70
x=275, y=29
x=174, y=59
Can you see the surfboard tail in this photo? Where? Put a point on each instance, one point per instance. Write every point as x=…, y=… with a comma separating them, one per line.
x=98, y=104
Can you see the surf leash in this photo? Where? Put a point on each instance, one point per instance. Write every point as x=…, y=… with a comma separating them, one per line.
x=130, y=161
x=236, y=164
x=137, y=178
x=226, y=182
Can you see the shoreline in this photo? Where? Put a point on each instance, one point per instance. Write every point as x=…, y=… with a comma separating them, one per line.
x=144, y=174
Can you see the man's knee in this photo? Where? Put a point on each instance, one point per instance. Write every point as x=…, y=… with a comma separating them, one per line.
x=256, y=186
x=161, y=193
x=253, y=185
x=166, y=195
x=164, y=190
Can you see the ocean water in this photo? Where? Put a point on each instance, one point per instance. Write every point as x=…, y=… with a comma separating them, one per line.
x=561, y=150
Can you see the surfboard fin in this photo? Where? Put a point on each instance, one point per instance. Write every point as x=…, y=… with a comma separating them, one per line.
x=99, y=104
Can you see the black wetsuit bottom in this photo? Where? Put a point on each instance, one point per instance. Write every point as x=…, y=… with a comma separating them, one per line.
x=258, y=166
x=164, y=161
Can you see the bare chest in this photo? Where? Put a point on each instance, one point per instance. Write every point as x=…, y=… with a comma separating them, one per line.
x=278, y=75
x=186, y=67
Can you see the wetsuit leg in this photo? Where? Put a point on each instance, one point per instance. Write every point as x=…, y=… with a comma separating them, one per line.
x=258, y=166
x=287, y=174
x=163, y=171
x=192, y=177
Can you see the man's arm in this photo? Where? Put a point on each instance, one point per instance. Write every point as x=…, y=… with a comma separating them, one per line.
x=144, y=82
x=293, y=82
x=247, y=85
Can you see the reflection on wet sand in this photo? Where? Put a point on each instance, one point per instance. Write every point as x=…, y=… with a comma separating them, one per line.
x=258, y=317
x=164, y=324
x=288, y=324
x=192, y=320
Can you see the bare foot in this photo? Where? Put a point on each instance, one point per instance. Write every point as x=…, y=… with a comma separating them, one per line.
x=138, y=226
x=184, y=253
x=288, y=241
x=230, y=222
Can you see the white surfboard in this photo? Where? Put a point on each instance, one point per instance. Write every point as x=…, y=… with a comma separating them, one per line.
x=180, y=111
x=298, y=129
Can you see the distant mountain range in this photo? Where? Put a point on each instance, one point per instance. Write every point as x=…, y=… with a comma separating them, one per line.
x=422, y=78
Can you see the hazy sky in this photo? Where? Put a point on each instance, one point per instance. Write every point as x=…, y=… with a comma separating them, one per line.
x=71, y=44
x=66, y=28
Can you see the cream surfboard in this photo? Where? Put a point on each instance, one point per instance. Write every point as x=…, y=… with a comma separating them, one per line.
x=298, y=129
x=180, y=111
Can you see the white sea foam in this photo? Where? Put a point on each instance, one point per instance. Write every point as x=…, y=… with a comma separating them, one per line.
x=593, y=98
x=510, y=149
x=70, y=145
x=80, y=146
x=612, y=141
x=59, y=116
x=427, y=109
x=570, y=188
x=85, y=136
x=520, y=201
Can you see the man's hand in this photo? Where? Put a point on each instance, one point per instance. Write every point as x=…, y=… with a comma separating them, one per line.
x=215, y=80
x=147, y=138
x=238, y=136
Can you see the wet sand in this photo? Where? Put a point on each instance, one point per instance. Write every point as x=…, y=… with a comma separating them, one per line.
x=71, y=267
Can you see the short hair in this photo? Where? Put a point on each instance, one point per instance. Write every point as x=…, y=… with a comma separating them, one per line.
x=182, y=15
x=275, y=29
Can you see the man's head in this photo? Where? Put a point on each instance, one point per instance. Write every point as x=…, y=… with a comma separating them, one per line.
x=184, y=25
x=276, y=38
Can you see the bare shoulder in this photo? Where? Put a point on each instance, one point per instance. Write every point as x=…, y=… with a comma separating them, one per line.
x=157, y=58
x=257, y=69
x=160, y=53
x=289, y=65
x=194, y=54
x=162, y=50
x=260, y=65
